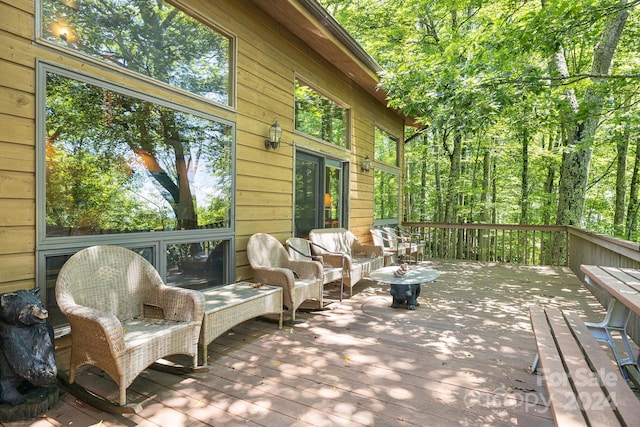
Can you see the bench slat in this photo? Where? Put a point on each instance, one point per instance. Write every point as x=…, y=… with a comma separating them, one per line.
x=593, y=400
x=624, y=398
x=561, y=395
x=612, y=280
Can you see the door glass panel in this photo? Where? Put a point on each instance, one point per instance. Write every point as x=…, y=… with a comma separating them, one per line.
x=333, y=195
x=386, y=195
x=319, y=194
x=306, y=195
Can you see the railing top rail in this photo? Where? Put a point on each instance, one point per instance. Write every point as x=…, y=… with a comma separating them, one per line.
x=560, y=228
x=625, y=248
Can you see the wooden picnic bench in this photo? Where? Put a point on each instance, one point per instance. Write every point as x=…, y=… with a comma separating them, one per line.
x=583, y=384
x=623, y=286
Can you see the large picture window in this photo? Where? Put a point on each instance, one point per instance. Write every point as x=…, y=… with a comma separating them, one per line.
x=386, y=147
x=149, y=37
x=386, y=196
x=116, y=163
x=320, y=117
x=119, y=167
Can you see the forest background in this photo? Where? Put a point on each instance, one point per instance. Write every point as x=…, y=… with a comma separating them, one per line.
x=526, y=111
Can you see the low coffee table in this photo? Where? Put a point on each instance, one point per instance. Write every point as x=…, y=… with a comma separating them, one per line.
x=229, y=305
x=405, y=288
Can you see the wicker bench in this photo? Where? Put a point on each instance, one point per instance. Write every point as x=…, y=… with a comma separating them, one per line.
x=230, y=305
x=584, y=385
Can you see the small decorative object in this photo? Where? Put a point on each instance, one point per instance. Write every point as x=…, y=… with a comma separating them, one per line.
x=27, y=360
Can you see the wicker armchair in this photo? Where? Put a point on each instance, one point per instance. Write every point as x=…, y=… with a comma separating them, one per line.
x=408, y=245
x=389, y=246
x=299, y=280
x=122, y=315
x=300, y=249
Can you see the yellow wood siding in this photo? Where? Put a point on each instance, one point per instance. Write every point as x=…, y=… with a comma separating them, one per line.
x=269, y=57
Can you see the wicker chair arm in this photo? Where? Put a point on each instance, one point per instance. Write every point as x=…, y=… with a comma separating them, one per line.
x=96, y=328
x=179, y=304
x=305, y=269
x=336, y=260
x=368, y=250
x=277, y=276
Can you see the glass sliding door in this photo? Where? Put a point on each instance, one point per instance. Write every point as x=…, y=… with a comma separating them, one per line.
x=319, y=190
x=332, y=194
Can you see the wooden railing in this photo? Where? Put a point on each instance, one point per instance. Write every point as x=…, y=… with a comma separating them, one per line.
x=518, y=244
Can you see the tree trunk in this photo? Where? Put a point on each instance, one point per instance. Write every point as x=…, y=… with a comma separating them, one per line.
x=451, y=201
x=423, y=181
x=439, y=217
x=632, y=209
x=486, y=182
x=621, y=183
x=581, y=128
x=524, y=193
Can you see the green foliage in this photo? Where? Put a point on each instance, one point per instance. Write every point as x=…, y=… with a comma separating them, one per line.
x=483, y=72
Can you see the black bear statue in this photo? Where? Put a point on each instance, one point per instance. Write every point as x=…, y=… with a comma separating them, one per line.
x=27, y=352
x=403, y=293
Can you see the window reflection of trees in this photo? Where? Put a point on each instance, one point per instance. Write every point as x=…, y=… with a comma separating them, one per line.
x=385, y=147
x=319, y=117
x=116, y=163
x=145, y=36
x=196, y=265
x=386, y=195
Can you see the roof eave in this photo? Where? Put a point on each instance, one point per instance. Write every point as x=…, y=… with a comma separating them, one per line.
x=310, y=22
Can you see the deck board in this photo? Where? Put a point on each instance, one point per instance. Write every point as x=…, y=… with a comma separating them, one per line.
x=462, y=358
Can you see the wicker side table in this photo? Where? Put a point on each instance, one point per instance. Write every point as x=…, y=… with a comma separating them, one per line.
x=230, y=305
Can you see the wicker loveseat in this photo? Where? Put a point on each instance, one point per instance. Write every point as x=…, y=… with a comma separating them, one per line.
x=123, y=317
x=339, y=245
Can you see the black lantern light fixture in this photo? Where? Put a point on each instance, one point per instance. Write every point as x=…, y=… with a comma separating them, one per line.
x=366, y=164
x=275, y=132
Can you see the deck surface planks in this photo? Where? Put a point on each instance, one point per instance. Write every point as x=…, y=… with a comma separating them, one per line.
x=461, y=358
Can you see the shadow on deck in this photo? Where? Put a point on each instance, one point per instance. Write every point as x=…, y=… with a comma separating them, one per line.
x=461, y=359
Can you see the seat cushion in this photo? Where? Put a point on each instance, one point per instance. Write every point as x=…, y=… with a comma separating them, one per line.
x=140, y=331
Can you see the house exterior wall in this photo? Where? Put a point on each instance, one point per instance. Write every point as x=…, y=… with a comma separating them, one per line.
x=269, y=58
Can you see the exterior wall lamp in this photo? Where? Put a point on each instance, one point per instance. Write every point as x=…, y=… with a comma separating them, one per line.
x=366, y=164
x=275, y=132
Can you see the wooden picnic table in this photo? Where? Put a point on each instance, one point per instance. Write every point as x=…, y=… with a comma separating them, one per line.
x=623, y=284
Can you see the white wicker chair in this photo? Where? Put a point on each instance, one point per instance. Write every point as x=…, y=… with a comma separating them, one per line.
x=299, y=280
x=389, y=246
x=339, y=246
x=123, y=317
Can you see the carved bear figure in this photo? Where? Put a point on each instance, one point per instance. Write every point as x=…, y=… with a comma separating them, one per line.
x=27, y=340
x=405, y=293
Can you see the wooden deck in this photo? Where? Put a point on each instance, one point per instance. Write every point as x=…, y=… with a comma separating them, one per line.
x=461, y=359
